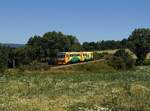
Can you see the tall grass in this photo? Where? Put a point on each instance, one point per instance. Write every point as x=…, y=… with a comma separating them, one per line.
x=74, y=90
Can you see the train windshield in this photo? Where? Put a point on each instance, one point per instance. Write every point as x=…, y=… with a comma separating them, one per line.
x=60, y=55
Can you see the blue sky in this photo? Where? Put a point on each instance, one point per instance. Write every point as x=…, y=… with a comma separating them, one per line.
x=89, y=20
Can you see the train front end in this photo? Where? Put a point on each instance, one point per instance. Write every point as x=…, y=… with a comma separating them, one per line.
x=61, y=58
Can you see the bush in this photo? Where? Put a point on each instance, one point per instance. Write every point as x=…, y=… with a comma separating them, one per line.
x=121, y=60
x=34, y=66
x=100, y=55
x=147, y=62
x=3, y=58
x=95, y=67
x=52, y=61
x=2, y=68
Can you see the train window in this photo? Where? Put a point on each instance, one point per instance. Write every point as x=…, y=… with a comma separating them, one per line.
x=84, y=54
x=74, y=55
x=67, y=55
x=61, y=56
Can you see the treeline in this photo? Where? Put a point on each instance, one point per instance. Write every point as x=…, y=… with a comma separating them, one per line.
x=138, y=42
x=101, y=45
x=44, y=48
x=39, y=49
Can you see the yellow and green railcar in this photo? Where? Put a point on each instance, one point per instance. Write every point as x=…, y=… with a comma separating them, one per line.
x=73, y=57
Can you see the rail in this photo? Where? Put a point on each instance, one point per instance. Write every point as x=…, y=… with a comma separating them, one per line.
x=81, y=63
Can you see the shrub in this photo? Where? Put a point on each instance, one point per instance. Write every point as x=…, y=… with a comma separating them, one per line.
x=147, y=62
x=52, y=61
x=95, y=67
x=121, y=60
x=35, y=66
x=116, y=62
x=2, y=68
x=3, y=58
x=100, y=55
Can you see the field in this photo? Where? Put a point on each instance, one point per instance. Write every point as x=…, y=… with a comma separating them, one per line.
x=91, y=87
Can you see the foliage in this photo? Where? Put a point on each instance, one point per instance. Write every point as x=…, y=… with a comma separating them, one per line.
x=147, y=62
x=121, y=60
x=101, y=45
x=98, y=55
x=34, y=65
x=44, y=48
x=138, y=42
x=52, y=42
x=101, y=66
x=140, y=39
x=3, y=58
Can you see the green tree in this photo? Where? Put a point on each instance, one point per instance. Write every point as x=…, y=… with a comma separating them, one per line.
x=121, y=60
x=50, y=43
x=140, y=39
x=3, y=58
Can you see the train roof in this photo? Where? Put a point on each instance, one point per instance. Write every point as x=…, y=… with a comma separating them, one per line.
x=73, y=52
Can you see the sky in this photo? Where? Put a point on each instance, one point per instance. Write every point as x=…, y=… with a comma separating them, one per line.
x=88, y=20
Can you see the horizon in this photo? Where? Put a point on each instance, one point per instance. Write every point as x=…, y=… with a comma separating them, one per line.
x=88, y=20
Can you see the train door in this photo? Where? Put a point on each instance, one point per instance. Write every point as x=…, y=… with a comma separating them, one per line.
x=82, y=56
x=67, y=58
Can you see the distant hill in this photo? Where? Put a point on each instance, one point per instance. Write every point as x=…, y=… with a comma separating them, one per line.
x=13, y=45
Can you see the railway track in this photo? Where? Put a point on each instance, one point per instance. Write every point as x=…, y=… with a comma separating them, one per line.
x=69, y=65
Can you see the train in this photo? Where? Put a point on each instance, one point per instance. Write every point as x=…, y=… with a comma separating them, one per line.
x=73, y=57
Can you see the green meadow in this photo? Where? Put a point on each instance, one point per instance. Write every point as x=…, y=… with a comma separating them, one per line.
x=91, y=87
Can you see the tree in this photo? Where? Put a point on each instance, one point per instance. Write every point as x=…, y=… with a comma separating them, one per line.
x=140, y=39
x=121, y=60
x=101, y=45
x=86, y=46
x=50, y=43
x=76, y=47
x=3, y=58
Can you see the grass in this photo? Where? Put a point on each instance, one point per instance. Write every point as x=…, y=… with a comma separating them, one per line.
x=78, y=88
x=147, y=62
